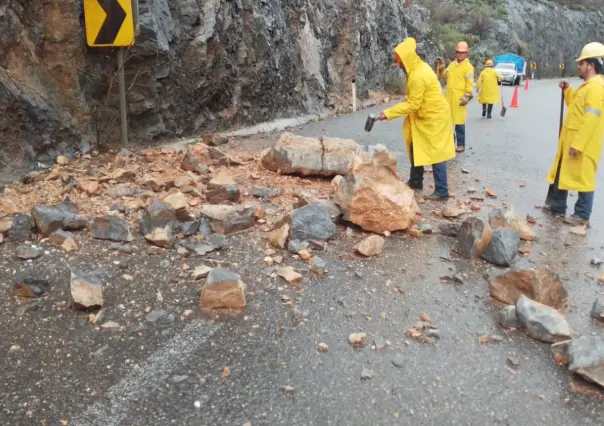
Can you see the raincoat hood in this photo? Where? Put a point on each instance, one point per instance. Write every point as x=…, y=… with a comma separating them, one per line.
x=406, y=51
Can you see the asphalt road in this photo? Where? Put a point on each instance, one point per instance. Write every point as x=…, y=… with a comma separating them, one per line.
x=174, y=375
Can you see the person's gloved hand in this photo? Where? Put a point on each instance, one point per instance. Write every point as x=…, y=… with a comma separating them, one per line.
x=466, y=99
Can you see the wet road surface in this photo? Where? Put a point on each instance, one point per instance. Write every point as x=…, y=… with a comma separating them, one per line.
x=174, y=375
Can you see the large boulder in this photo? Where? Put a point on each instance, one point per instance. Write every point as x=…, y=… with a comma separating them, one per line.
x=293, y=154
x=503, y=247
x=372, y=196
x=541, y=285
x=541, y=322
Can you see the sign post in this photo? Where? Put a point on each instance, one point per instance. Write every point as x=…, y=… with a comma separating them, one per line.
x=110, y=23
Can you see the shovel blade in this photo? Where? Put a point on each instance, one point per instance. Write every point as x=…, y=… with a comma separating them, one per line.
x=503, y=111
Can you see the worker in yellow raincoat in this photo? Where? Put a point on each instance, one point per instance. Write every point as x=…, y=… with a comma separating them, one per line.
x=460, y=87
x=427, y=129
x=580, y=143
x=488, y=89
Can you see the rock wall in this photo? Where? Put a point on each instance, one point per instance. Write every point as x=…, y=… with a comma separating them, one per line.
x=207, y=65
x=545, y=32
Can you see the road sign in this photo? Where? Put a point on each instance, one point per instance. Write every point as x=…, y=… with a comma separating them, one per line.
x=109, y=23
x=561, y=66
x=533, y=65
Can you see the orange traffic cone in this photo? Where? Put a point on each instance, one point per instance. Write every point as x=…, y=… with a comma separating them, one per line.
x=526, y=84
x=515, y=98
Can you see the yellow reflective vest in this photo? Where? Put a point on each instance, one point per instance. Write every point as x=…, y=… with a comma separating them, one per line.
x=460, y=81
x=488, y=87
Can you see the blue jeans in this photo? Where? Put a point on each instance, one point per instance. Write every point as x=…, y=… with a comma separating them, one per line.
x=460, y=134
x=439, y=171
x=556, y=199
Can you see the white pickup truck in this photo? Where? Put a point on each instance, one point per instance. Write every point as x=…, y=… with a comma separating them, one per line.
x=511, y=67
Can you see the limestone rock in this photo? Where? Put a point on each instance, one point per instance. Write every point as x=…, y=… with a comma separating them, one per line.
x=278, y=236
x=541, y=285
x=541, y=322
x=226, y=219
x=293, y=154
x=111, y=228
x=503, y=247
x=86, y=290
x=473, y=238
x=370, y=246
x=178, y=201
x=223, y=290
x=161, y=237
x=372, y=196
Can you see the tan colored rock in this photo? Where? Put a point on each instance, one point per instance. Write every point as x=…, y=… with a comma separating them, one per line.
x=357, y=339
x=223, y=178
x=223, y=290
x=290, y=275
x=541, y=285
x=511, y=220
x=178, y=201
x=161, y=237
x=201, y=271
x=304, y=254
x=62, y=160
x=91, y=187
x=6, y=223
x=278, y=236
x=86, y=290
x=293, y=154
x=370, y=246
x=64, y=239
x=451, y=210
x=373, y=197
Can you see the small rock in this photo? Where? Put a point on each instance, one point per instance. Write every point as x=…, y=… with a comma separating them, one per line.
x=541, y=322
x=158, y=215
x=111, y=228
x=91, y=187
x=226, y=219
x=201, y=271
x=31, y=288
x=20, y=228
x=110, y=325
x=288, y=390
x=178, y=202
x=489, y=338
x=318, y=266
x=278, y=236
x=578, y=230
x=190, y=163
x=357, y=339
x=541, y=285
x=27, y=252
x=223, y=290
x=596, y=261
x=156, y=315
x=322, y=347
x=506, y=317
x=449, y=229
x=367, y=374
x=425, y=229
x=294, y=246
x=290, y=275
x=597, y=311
x=311, y=222
x=63, y=239
x=62, y=160
x=304, y=255
x=218, y=193
x=370, y=246
x=451, y=210
x=503, y=247
x=161, y=237
x=86, y=290
x=513, y=362
x=49, y=219
x=398, y=361
x=265, y=192
x=587, y=359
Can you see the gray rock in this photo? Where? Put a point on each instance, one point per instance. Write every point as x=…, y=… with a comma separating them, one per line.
x=178, y=379
x=49, y=219
x=425, y=229
x=228, y=219
x=205, y=230
x=318, y=265
x=111, y=228
x=265, y=192
x=449, y=229
x=367, y=374
x=597, y=310
x=217, y=240
x=472, y=239
x=217, y=193
x=86, y=290
x=596, y=261
x=20, y=229
x=399, y=361
x=187, y=228
x=587, y=358
x=158, y=215
x=158, y=314
x=506, y=317
x=31, y=288
x=503, y=247
x=335, y=212
x=27, y=252
x=294, y=246
x=513, y=362
x=311, y=222
x=203, y=249
x=541, y=322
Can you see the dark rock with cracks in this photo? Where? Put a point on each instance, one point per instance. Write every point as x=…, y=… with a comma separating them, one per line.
x=21, y=228
x=311, y=222
x=503, y=247
x=111, y=228
x=158, y=215
x=50, y=218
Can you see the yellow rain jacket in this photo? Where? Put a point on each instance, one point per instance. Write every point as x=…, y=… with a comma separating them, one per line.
x=428, y=120
x=487, y=84
x=460, y=80
x=583, y=130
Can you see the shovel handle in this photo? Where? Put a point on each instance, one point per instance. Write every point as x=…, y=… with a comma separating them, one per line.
x=561, y=111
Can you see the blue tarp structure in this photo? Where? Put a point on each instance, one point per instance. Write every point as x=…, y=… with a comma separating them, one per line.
x=511, y=58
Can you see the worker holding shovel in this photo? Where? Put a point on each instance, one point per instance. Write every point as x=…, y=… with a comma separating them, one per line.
x=488, y=90
x=427, y=130
x=580, y=143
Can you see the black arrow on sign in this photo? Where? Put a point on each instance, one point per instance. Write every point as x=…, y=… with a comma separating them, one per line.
x=116, y=16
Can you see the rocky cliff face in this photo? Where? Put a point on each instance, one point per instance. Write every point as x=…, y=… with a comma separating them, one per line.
x=206, y=65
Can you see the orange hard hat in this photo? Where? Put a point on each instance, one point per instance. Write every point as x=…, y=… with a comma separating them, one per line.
x=489, y=63
x=462, y=47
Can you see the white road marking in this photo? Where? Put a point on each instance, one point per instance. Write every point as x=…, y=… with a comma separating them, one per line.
x=150, y=376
